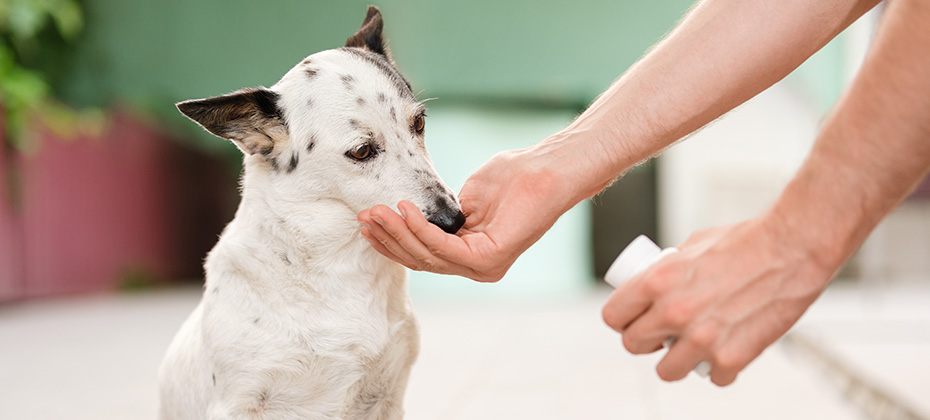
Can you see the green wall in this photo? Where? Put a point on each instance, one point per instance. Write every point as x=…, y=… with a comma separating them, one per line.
x=560, y=52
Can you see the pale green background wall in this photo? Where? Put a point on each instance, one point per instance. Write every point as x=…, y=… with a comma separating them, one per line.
x=506, y=74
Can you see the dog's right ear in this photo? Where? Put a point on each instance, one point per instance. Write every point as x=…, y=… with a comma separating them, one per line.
x=249, y=117
x=369, y=35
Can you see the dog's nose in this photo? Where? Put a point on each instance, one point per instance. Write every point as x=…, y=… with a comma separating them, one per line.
x=448, y=219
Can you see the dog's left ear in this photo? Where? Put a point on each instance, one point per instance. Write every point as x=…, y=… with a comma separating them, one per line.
x=369, y=35
x=249, y=117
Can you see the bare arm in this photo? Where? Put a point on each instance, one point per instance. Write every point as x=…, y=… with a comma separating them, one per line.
x=734, y=290
x=721, y=54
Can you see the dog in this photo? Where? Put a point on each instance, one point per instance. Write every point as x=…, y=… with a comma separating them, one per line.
x=300, y=317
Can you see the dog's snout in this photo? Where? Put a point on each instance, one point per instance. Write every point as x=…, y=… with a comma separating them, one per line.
x=449, y=218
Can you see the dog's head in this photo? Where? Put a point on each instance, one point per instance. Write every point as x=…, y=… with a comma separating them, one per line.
x=341, y=125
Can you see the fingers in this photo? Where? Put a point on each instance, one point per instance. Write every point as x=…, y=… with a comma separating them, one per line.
x=392, y=237
x=436, y=242
x=624, y=306
x=374, y=232
x=687, y=351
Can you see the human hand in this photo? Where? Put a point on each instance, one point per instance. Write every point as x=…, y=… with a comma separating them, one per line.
x=509, y=203
x=727, y=295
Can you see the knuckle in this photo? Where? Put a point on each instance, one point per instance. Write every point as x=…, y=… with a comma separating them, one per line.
x=704, y=337
x=429, y=264
x=490, y=274
x=677, y=314
x=660, y=281
x=729, y=360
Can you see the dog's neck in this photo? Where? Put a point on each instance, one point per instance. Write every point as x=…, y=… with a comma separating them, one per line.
x=310, y=230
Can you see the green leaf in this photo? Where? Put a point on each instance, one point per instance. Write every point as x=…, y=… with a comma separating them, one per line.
x=26, y=19
x=68, y=18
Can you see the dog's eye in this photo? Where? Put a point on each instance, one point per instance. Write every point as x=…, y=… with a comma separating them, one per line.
x=361, y=152
x=419, y=123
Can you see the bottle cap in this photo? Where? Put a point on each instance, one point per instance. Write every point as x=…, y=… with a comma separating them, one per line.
x=638, y=255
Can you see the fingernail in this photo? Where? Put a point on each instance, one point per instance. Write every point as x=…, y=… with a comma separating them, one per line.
x=366, y=225
x=403, y=213
x=377, y=220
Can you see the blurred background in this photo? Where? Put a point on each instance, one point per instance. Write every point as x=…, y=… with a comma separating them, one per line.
x=110, y=200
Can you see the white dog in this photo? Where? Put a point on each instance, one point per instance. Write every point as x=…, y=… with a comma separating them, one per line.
x=300, y=317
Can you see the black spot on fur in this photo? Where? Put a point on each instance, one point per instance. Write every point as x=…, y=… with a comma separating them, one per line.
x=410, y=153
x=305, y=62
x=265, y=151
x=290, y=168
x=393, y=114
x=360, y=101
x=311, y=73
x=214, y=379
x=382, y=63
x=274, y=164
x=382, y=97
x=310, y=146
x=354, y=123
x=309, y=102
x=255, y=321
x=267, y=102
x=348, y=81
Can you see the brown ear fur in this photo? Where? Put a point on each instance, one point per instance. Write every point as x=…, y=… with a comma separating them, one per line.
x=249, y=117
x=369, y=36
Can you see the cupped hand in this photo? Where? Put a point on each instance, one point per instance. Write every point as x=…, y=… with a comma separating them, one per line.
x=727, y=295
x=509, y=203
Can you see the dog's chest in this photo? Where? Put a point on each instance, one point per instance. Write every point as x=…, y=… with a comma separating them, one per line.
x=341, y=341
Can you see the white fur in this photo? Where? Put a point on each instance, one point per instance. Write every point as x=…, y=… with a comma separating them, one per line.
x=300, y=317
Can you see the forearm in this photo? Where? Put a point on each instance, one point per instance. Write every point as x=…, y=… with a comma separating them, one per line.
x=873, y=149
x=719, y=56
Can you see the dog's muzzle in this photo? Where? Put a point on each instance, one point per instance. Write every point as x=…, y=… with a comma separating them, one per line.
x=449, y=219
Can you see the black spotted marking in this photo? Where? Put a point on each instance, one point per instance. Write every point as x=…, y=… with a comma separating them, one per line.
x=310, y=146
x=265, y=151
x=393, y=114
x=312, y=73
x=255, y=321
x=382, y=63
x=360, y=101
x=382, y=97
x=214, y=379
x=410, y=153
x=309, y=102
x=290, y=168
x=274, y=164
x=307, y=61
x=348, y=81
x=354, y=123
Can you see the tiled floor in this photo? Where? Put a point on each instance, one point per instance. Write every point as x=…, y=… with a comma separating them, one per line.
x=95, y=358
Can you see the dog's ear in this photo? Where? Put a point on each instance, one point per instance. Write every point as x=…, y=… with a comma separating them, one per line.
x=369, y=35
x=249, y=117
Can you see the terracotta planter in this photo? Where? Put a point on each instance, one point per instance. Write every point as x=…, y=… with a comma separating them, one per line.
x=129, y=208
